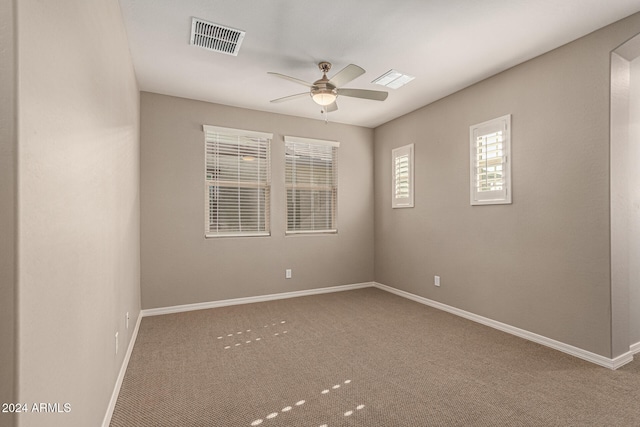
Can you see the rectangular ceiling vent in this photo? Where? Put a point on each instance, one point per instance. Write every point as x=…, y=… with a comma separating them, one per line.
x=393, y=79
x=215, y=37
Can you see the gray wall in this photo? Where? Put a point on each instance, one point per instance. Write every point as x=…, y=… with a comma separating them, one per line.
x=7, y=208
x=78, y=206
x=548, y=270
x=180, y=266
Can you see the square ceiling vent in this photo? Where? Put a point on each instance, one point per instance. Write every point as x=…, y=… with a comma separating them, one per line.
x=216, y=37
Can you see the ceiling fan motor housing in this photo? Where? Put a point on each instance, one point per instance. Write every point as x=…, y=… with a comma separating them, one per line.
x=323, y=93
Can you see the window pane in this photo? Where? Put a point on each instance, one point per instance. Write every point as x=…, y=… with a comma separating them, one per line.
x=309, y=209
x=401, y=190
x=238, y=183
x=311, y=180
x=402, y=193
x=236, y=209
x=490, y=162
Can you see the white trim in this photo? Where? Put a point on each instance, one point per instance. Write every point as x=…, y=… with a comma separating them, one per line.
x=296, y=232
x=123, y=369
x=619, y=361
x=250, y=300
x=299, y=139
x=237, y=234
x=208, y=129
x=548, y=342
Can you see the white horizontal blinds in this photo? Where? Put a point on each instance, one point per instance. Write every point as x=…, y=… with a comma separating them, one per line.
x=490, y=142
x=237, y=182
x=311, y=177
x=402, y=175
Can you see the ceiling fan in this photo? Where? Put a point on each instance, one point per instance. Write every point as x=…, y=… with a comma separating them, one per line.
x=325, y=91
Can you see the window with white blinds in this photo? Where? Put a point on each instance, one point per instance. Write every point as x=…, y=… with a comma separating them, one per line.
x=311, y=178
x=237, y=182
x=402, y=176
x=490, y=164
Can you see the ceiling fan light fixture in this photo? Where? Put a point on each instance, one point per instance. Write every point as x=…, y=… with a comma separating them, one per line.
x=324, y=97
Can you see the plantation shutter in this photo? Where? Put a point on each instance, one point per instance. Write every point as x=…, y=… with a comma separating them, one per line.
x=402, y=175
x=311, y=177
x=237, y=182
x=490, y=168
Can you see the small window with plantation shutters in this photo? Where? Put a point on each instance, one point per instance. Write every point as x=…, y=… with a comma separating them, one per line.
x=490, y=144
x=237, y=182
x=402, y=176
x=311, y=179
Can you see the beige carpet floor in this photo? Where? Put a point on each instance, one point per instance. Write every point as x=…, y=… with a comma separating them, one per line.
x=359, y=358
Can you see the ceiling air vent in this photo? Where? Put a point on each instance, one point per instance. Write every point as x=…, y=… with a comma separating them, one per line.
x=216, y=37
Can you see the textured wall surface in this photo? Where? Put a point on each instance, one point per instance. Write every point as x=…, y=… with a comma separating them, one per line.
x=180, y=266
x=102, y=190
x=542, y=263
x=78, y=204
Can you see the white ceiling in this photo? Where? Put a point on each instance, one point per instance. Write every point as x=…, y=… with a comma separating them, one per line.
x=446, y=44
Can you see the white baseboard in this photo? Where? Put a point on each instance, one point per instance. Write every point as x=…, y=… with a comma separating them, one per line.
x=557, y=345
x=249, y=300
x=614, y=363
x=548, y=342
x=620, y=361
x=123, y=369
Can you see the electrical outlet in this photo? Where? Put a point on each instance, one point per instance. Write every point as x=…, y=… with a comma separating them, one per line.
x=436, y=280
x=116, y=343
x=127, y=321
x=287, y=273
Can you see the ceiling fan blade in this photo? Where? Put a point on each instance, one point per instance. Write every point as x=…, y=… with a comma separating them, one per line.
x=347, y=74
x=287, y=98
x=331, y=107
x=375, y=95
x=293, y=79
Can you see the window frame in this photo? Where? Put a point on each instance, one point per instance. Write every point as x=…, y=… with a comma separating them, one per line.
x=335, y=145
x=396, y=201
x=210, y=132
x=489, y=127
